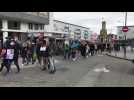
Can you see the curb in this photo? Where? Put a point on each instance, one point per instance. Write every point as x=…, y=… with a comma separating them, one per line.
x=118, y=57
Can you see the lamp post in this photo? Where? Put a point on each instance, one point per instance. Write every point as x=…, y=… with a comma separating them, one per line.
x=125, y=36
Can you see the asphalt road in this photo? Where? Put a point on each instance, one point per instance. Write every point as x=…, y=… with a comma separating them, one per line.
x=89, y=72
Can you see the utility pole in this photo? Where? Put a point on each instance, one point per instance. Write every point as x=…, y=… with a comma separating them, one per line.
x=125, y=35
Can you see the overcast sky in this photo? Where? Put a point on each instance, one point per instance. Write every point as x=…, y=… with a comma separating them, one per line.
x=93, y=19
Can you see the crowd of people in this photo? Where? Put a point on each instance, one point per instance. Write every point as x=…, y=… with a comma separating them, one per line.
x=30, y=51
x=39, y=50
x=85, y=49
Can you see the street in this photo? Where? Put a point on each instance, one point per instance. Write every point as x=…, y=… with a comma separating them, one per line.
x=81, y=73
x=32, y=35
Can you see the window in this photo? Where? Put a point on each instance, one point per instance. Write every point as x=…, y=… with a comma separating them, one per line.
x=30, y=26
x=36, y=27
x=55, y=27
x=66, y=29
x=42, y=27
x=85, y=31
x=78, y=31
x=14, y=25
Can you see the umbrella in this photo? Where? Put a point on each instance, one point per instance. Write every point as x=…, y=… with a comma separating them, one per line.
x=75, y=45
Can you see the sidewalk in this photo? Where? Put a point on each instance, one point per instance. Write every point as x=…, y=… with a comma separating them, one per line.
x=120, y=55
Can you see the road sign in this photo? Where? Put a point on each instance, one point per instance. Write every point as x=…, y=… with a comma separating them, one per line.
x=125, y=29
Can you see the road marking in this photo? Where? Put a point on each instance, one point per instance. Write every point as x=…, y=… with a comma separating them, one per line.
x=103, y=69
x=90, y=79
x=56, y=61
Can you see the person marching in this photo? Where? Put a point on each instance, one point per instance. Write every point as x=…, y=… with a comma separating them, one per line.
x=87, y=50
x=33, y=52
x=38, y=53
x=9, y=54
x=29, y=50
x=24, y=53
x=66, y=50
x=45, y=53
x=16, y=46
x=5, y=60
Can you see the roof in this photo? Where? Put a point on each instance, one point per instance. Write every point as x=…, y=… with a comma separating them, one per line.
x=72, y=24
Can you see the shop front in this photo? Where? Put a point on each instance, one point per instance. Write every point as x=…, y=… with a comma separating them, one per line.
x=21, y=36
x=16, y=35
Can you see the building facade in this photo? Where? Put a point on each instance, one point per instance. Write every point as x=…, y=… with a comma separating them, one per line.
x=22, y=24
x=129, y=34
x=59, y=32
x=71, y=30
x=60, y=29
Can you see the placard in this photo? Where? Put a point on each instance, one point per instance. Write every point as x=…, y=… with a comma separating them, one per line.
x=10, y=54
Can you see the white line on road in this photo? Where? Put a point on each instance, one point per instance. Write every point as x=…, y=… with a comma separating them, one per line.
x=103, y=69
x=89, y=80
